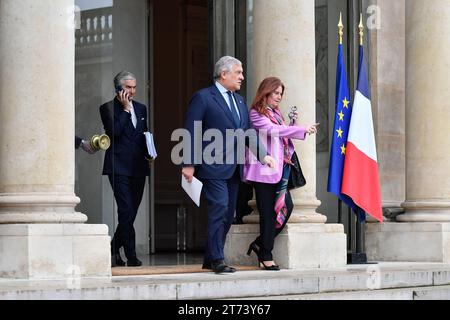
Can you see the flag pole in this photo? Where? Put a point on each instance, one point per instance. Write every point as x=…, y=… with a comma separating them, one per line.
x=359, y=257
x=341, y=41
x=361, y=31
x=360, y=223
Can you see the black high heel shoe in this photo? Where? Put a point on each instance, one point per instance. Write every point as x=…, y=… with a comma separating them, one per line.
x=273, y=267
x=116, y=260
x=253, y=247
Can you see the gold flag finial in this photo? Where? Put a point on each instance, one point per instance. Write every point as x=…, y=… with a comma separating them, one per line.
x=341, y=29
x=361, y=31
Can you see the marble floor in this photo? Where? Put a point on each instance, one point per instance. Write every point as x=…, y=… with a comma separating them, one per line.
x=172, y=259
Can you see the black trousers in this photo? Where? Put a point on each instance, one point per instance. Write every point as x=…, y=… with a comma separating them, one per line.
x=265, y=200
x=128, y=193
x=244, y=196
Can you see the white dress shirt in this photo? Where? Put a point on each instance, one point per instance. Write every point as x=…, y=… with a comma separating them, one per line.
x=133, y=115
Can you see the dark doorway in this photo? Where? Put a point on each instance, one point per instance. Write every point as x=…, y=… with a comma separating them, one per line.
x=180, y=47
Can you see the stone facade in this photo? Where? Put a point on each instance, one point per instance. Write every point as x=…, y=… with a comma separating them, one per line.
x=41, y=235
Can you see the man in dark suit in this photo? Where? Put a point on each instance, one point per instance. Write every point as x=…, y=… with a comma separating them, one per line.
x=126, y=162
x=219, y=107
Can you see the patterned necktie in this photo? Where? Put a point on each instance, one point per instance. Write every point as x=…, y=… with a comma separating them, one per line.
x=236, y=118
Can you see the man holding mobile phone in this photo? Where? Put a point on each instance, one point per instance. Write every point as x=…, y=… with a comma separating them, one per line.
x=125, y=121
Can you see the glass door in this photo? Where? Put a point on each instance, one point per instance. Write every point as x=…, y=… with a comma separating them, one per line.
x=112, y=36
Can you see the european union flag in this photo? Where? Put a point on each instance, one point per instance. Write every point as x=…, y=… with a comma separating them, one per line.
x=340, y=132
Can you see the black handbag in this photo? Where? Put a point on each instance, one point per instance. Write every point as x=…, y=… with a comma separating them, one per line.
x=296, y=177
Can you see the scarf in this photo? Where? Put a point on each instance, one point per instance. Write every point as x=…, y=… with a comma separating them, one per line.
x=281, y=188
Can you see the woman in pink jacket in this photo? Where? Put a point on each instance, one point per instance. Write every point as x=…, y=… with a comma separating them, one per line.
x=273, y=199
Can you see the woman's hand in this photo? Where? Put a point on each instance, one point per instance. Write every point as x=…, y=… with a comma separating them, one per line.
x=294, y=116
x=269, y=161
x=312, y=129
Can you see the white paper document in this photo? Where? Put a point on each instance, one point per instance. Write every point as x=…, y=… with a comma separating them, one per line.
x=194, y=189
x=150, y=145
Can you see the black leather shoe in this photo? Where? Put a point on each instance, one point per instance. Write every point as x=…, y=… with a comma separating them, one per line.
x=207, y=266
x=116, y=260
x=232, y=270
x=134, y=262
x=220, y=267
x=238, y=221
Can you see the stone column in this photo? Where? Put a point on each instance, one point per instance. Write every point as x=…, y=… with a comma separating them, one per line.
x=424, y=234
x=387, y=67
x=41, y=235
x=284, y=47
x=428, y=105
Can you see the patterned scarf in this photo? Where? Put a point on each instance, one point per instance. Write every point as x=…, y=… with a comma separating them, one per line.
x=281, y=189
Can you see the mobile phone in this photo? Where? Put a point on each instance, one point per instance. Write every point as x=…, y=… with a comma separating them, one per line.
x=119, y=89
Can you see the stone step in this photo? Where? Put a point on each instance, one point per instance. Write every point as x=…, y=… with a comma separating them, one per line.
x=368, y=279
x=421, y=293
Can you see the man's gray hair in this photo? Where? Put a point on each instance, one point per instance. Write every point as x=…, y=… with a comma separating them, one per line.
x=224, y=65
x=123, y=76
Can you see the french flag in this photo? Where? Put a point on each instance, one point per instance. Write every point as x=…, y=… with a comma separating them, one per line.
x=361, y=180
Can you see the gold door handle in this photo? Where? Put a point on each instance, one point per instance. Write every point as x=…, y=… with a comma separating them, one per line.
x=100, y=142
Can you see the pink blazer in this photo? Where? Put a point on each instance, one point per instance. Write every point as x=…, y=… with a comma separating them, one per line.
x=271, y=136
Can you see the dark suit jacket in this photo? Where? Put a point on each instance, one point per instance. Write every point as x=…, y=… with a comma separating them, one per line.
x=209, y=107
x=78, y=141
x=128, y=152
